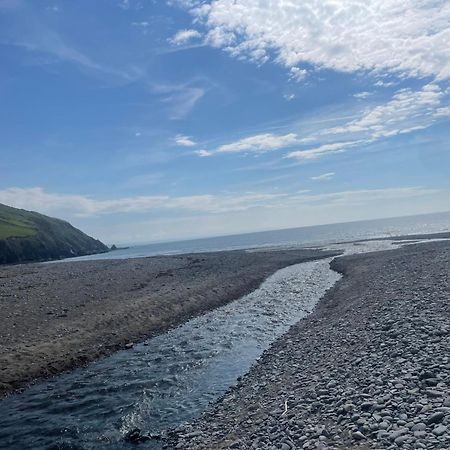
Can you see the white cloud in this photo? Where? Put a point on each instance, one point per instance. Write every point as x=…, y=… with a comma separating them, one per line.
x=326, y=149
x=203, y=153
x=382, y=83
x=407, y=38
x=124, y=4
x=141, y=219
x=364, y=196
x=298, y=74
x=407, y=111
x=83, y=206
x=184, y=141
x=362, y=95
x=69, y=205
x=184, y=36
x=143, y=24
x=258, y=143
x=324, y=176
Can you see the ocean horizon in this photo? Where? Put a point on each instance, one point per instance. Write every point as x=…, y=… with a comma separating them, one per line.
x=291, y=237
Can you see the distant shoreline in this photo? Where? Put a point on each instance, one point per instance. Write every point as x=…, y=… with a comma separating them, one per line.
x=266, y=247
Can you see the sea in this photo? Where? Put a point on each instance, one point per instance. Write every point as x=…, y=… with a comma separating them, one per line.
x=318, y=235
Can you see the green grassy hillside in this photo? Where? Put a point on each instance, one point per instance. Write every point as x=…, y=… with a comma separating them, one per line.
x=13, y=225
x=30, y=236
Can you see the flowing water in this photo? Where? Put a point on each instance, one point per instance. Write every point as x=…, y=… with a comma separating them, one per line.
x=171, y=378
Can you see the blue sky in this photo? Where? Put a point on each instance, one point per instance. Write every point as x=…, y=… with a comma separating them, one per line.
x=146, y=120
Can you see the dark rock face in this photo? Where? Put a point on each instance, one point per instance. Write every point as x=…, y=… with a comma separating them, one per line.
x=51, y=239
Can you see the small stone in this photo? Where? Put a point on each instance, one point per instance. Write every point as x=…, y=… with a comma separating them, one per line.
x=366, y=406
x=420, y=434
x=136, y=437
x=436, y=417
x=193, y=434
x=396, y=434
x=419, y=427
x=439, y=430
x=401, y=439
x=433, y=393
x=425, y=375
x=358, y=436
x=348, y=407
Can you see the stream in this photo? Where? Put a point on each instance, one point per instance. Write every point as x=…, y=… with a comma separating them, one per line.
x=168, y=379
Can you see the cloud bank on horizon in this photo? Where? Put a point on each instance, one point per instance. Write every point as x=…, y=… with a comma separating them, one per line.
x=185, y=118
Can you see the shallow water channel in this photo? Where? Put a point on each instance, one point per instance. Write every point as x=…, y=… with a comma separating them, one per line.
x=168, y=379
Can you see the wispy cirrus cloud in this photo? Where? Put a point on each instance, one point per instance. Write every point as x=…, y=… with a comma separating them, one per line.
x=180, y=98
x=29, y=32
x=183, y=37
x=259, y=143
x=325, y=149
x=69, y=205
x=78, y=205
x=324, y=176
x=362, y=95
x=203, y=153
x=184, y=141
x=407, y=111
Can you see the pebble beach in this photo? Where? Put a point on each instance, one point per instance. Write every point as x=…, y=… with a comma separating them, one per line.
x=369, y=369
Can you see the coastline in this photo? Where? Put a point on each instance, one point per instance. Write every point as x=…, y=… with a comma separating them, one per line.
x=369, y=368
x=60, y=316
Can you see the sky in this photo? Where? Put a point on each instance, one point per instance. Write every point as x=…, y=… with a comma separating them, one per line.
x=142, y=121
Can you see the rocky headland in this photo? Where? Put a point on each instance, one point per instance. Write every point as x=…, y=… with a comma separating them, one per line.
x=27, y=236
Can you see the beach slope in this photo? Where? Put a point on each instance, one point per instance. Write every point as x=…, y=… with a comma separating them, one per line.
x=369, y=369
x=58, y=316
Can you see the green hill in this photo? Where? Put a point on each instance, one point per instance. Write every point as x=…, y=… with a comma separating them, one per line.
x=29, y=236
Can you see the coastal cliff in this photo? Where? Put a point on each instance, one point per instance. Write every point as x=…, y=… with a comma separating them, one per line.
x=27, y=236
